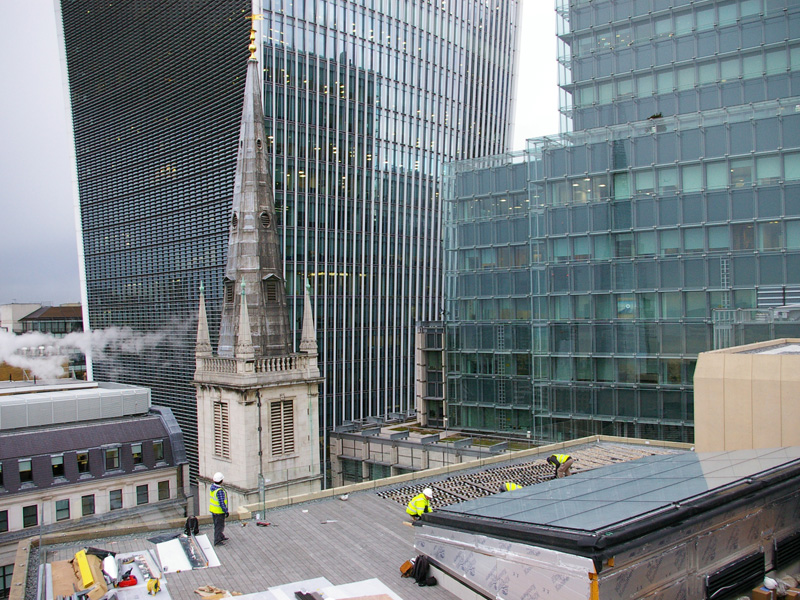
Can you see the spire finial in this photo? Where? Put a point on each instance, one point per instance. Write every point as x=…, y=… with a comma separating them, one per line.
x=308, y=340
x=252, y=47
x=202, y=345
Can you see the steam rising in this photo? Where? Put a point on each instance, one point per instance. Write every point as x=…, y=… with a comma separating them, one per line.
x=43, y=355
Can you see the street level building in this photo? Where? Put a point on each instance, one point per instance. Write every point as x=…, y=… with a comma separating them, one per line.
x=363, y=103
x=10, y=315
x=585, y=274
x=77, y=454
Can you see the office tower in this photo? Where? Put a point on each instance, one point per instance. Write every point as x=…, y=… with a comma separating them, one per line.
x=363, y=103
x=585, y=274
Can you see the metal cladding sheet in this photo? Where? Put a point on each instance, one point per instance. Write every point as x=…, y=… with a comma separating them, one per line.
x=506, y=570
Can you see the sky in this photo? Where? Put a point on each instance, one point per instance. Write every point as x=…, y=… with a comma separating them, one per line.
x=38, y=247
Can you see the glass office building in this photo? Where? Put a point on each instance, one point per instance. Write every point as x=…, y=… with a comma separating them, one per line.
x=626, y=60
x=583, y=274
x=364, y=101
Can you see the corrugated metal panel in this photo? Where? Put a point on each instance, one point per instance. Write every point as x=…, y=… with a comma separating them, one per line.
x=65, y=410
x=40, y=412
x=112, y=405
x=135, y=401
x=13, y=415
x=89, y=407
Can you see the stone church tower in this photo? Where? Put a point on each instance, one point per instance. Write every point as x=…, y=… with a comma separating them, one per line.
x=257, y=402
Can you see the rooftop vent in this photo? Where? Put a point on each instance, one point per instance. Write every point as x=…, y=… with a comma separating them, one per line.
x=744, y=574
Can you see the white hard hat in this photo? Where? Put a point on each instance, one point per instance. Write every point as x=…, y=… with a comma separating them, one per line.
x=428, y=492
x=218, y=477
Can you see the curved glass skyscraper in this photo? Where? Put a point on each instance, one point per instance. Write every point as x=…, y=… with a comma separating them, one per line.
x=364, y=101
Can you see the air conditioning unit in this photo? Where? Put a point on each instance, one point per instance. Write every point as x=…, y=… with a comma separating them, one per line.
x=789, y=312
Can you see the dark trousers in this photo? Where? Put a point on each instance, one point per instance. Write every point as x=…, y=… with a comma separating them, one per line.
x=219, y=527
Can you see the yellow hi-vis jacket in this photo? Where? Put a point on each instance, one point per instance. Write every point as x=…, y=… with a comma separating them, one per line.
x=419, y=504
x=562, y=458
x=510, y=485
x=217, y=505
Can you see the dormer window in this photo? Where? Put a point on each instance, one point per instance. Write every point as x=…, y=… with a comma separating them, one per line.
x=228, y=285
x=266, y=220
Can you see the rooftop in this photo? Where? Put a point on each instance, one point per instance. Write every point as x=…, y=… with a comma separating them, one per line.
x=366, y=536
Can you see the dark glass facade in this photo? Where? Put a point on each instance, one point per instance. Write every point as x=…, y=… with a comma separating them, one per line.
x=364, y=101
x=585, y=274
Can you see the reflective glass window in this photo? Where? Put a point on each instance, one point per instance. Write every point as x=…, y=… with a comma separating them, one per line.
x=770, y=236
x=716, y=175
x=693, y=239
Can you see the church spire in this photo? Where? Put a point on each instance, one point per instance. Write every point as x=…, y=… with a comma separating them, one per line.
x=308, y=341
x=203, y=344
x=254, y=252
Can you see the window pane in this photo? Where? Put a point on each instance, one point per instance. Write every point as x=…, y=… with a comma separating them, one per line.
x=716, y=175
x=768, y=169
x=692, y=178
x=158, y=450
x=163, y=490
x=112, y=459
x=58, y=465
x=30, y=516
x=770, y=236
x=115, y=499
x=62, y=510
x=87, y=505
x=25, y=472
x=791, y=166
x=142, y=494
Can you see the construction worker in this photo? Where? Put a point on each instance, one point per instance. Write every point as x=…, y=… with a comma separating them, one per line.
x=509, y=486
x=562, y=463
x=218, y=507
x=421, y=503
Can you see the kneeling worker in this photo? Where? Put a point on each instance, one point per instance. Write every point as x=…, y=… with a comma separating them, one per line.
x=421, y=503
x=562, y=463
x=509, y=486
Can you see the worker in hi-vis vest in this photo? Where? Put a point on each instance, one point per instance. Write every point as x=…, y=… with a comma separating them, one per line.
x=509, y=486
x=421, y=503
x=562, y=463
x=218, y=507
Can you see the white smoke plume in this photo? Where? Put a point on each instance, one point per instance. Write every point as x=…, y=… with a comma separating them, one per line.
x=43, y=355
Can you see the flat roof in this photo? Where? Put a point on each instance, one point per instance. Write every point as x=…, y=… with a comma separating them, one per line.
x=367, y=536
x=589, y=511
x=779, y=349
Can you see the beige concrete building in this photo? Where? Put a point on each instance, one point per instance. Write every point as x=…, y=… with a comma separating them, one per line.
x=11, y=315
x=748, y=397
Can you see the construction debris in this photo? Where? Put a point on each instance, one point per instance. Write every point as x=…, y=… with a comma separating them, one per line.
x=212, y=592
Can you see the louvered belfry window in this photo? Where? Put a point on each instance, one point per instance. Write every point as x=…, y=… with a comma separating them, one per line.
x=222, y=436
x=282, y=427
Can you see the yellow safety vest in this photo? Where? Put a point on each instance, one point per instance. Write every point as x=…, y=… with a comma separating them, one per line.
x=510, y=485
x=418, y=505
x=213, y=502
x=562, y=458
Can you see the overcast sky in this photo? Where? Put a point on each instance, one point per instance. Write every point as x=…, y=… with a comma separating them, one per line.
x=38, y=248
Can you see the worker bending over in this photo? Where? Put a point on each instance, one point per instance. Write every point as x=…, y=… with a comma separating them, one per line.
x=509, y=486
x=421, y=503
x=562, y=463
